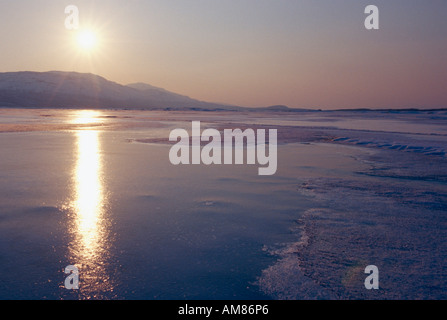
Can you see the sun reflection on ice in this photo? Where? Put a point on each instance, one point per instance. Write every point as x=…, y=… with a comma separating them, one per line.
x=86, y=117
x=89, y=189
x=90, y=248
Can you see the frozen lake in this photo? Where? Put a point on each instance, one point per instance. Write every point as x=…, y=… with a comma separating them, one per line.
x=96, y=189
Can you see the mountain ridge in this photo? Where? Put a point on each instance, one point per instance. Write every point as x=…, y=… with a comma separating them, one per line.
x=61, y=89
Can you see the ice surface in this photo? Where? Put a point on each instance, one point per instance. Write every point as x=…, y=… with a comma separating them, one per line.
x=352, y=189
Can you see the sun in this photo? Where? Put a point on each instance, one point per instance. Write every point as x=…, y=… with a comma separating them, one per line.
x=87, y=40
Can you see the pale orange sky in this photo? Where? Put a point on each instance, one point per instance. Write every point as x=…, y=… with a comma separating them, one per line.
x=306, y=54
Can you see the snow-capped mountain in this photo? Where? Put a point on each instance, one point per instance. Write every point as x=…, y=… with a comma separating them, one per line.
x=56, y=89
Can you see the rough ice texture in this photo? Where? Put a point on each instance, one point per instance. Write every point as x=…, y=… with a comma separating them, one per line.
x=392, y=215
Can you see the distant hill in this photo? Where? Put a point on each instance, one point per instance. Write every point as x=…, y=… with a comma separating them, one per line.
x=56, y=89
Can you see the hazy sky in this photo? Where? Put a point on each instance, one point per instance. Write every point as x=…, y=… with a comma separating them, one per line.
x=309, y=54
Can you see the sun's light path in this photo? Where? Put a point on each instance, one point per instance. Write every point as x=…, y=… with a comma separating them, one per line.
x=86, y=117
x=89, y=189
x=89, y=250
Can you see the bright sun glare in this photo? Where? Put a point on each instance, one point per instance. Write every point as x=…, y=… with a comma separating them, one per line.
x=87, y=40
